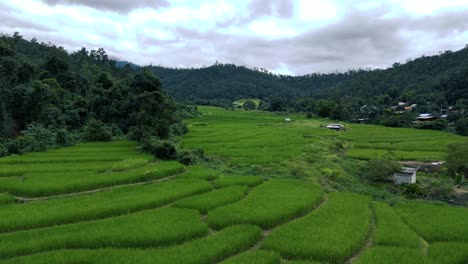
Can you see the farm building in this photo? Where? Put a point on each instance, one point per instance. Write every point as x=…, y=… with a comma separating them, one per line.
x=405, y=175
x=337, y=127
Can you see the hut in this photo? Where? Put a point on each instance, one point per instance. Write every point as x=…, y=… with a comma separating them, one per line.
x=337, y=127
x=405, y=175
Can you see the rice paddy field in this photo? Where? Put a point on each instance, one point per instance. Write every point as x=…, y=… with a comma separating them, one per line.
x=112, y=203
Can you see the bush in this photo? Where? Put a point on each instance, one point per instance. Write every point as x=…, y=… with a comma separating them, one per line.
x=64, y=138
x=457, y=159
x=461, y=126
x=189, y=157
x=95, y=130
x=413, y=191
x=36, y=137
x=163, y=149
x=379, y=169
x=3, y=150
x=309, y=115
x=249, y=105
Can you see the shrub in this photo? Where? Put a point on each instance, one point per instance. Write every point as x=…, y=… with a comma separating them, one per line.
x=461, y=126
x=163, y=149
x=95, y=130
x=190, y=157
x=379, y=169
x=457, y=159
x=413, y=191
x=249, y=105
x=36, y=137
x=64, y=138
x=3, y=150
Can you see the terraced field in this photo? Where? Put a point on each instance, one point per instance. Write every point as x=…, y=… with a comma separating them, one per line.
x=116, y=204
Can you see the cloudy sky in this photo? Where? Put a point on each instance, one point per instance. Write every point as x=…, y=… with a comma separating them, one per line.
x=284, y=36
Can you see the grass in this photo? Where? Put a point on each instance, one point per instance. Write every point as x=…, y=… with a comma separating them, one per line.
x=209, y=249
x=435, y=222
x=254, y=257
x=6, y=198
x=95, y=206
x=405, y=143
x=83, y=157
x=391, y=230
x=331, y=234
x=392, y=255
x=208, y=201
x=10, y=170
x=128, y=164
x=144, y=229
x=449, y=253
x=269, y=204
x=45, y=184
x=229, y=180
x=262, y=139
x=200, y=172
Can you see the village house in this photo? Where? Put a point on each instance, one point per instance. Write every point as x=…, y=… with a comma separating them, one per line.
x=405, y=175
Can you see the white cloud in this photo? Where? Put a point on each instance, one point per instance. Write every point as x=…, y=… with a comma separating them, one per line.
x=287, y=36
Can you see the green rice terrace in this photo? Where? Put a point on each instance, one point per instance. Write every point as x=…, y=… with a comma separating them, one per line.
x=272, y=192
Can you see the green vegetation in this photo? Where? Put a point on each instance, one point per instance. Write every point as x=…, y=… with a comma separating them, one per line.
x=254, y=257
x=128, y=164
x=405, y=144
x=53, y=98
x=331, y=234
x=151, y=228
x=209, y=249
x=436, y=222
x=391, y=230
x=271, y=203
x=5, y=198
x=99, y=205
x=208, y=201
x=200, y=172
x=449, y=253
x=44, y=184
x=229, y=180
x=391, y=255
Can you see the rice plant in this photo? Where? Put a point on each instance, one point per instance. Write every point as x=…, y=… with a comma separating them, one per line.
x=331, y=233
x=150, y=228
x=209, y=249
x=269, y=204
x=436, y=222
x=95, y=206
x=229, y=180
x=208, y=201
x=391, y=230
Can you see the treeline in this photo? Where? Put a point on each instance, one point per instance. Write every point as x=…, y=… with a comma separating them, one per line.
x=435, y=84
x=50, y=98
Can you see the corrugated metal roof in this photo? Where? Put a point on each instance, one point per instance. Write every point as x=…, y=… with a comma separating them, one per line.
x=408, y=170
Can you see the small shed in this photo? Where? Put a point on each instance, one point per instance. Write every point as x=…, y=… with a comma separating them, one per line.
x=287, y=119
x=405, y=175
x=336, y=127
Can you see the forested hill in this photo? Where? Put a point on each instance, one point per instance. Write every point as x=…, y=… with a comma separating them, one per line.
x=442, y=78
x=49, y=98
x=231, y=82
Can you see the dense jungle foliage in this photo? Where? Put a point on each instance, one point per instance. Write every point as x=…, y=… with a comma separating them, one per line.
x=49, y=98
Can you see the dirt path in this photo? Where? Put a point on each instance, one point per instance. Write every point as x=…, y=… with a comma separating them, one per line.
x=369, y=238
